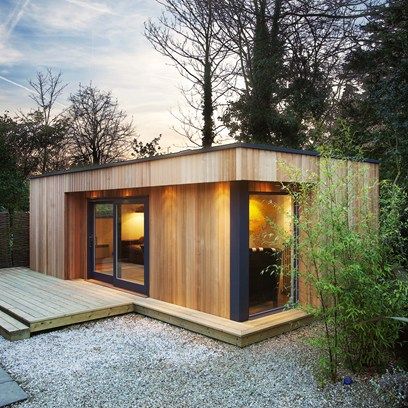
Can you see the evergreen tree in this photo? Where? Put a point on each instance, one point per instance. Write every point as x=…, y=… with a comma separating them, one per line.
x=376, y=108
x=13, y=185
x=262, y=78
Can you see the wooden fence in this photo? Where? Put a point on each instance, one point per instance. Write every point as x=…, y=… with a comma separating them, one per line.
x=14, y=239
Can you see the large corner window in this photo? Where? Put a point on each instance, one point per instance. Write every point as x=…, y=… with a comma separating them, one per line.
x=271, y=284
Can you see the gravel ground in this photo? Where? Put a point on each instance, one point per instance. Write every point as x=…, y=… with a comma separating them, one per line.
x=132, y=361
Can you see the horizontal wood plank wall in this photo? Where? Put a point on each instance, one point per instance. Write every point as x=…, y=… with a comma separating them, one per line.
x=189, y=243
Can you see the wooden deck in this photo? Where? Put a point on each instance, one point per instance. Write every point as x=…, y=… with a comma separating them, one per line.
x=32, y=302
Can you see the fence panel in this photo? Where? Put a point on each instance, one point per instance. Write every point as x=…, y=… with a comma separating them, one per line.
x=20, y=231
x=5, y=258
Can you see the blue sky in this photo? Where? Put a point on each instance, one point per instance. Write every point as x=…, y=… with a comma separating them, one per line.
x=99, y=41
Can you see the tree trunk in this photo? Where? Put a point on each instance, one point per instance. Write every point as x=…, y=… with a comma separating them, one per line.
x=95, y=157
x=260, y=101
x=208, y=109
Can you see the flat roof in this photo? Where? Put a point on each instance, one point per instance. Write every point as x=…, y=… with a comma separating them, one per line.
x=189, y=152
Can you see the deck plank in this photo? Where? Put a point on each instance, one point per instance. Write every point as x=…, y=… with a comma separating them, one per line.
x=13, y=329
x=35, y=299
x=33, y=302
x=80, y=290
x=62, y=295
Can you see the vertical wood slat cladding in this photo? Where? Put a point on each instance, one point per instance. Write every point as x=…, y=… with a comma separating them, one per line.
x=360, y=179
x=189, y=246
x=189, y=199
x=263, y=165
x=361, y=176
x=47, y=194
x=189, y=243
x=265, y=187
x=47, y=219
x=197, y=168
x=75, y=236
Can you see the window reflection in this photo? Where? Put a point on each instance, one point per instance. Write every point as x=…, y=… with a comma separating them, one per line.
x=270, y=253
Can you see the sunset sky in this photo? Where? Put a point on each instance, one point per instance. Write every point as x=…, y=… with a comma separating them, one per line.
x=102, y=42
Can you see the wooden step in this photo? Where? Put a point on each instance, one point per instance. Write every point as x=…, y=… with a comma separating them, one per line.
x=193, y=320
x=12, y=329
x=240, y=334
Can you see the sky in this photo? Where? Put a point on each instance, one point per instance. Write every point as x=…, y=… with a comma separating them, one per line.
x=100, y=41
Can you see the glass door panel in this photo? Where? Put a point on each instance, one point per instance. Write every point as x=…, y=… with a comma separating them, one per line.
x=131, y=243
x=118, y=243
x=270, y=251
x=103, y=238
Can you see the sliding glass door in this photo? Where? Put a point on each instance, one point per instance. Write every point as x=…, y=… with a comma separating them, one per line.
x=131, y=248
x=118, y=242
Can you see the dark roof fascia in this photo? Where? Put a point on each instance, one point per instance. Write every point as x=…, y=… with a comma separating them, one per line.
x=188, y=153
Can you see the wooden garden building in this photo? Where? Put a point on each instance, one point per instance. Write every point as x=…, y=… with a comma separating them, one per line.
x=188, y=235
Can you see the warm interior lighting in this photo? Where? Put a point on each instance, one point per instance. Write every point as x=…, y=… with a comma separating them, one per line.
x=256, y=216
x=266, y=214
x=132, y=225
x=270, y=256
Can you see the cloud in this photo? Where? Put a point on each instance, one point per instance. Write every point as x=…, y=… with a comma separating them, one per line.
x=8, y=55
x=59, y=17
x=98, y=41
x=98, y=7
x=14, y=17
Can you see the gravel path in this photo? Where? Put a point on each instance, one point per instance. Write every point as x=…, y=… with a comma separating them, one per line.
x=133, y=361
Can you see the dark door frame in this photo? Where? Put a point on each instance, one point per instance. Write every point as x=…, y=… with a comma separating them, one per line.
x=239, y=251
x=114, y=280
x=239, y=248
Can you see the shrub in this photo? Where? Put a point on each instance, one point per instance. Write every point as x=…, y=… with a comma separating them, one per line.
x=351, y=256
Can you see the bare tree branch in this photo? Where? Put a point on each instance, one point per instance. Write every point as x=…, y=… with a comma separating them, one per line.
x=99, y=132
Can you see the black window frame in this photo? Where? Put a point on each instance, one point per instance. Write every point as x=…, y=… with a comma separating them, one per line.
x=114, y=280
x=239, y=257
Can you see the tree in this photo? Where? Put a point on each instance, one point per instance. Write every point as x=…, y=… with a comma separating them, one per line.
x=375, y=105
x=40, y=136
x=188, y=34
x=289, y=56
x=13, y=185
x=262, y=77
x=149, y=149
x=99, y=129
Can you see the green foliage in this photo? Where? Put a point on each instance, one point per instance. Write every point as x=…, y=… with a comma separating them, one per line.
x=285, y=90
x=13, y=186
x=148, y=149
x=40, y=146
x=377, y=106
x=353, y=264
x=263, y=60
